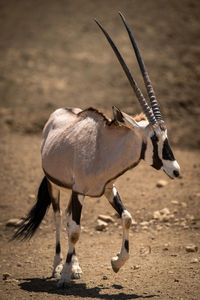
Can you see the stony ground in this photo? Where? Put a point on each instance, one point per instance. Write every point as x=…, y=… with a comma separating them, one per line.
x=53, y=55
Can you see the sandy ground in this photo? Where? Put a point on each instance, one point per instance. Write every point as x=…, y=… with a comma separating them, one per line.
x=53, y=55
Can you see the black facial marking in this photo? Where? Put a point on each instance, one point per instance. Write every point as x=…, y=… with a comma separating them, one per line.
x=118, y=205
x=143, y=150
x=126, y=245
x=157, y=162
x=76, y=208
x=69, y=257
x=167, y=152
x=58, y=248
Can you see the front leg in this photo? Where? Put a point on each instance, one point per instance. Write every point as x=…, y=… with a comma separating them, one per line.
x=113, y=197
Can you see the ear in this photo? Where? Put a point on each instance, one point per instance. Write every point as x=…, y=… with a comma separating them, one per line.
x=124, y=119
x=118, y=116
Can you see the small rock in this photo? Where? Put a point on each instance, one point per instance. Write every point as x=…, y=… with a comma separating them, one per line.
x=134, y=223
x=105, y=277
x=14, y=222
x=106, y=218
x=161, y=183
x=183, y=204
x=145, y=250
x=101, y=225
x=156, y=215
x=136, y=267
x=194, y=261
x=144, y=224
x=175, y=202
x=191, y=248
x=164, y=211
x=6, y=276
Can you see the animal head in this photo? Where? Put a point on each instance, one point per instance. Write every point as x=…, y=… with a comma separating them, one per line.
x=157, y=152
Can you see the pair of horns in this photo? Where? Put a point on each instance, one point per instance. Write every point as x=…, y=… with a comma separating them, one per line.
x=153, y=114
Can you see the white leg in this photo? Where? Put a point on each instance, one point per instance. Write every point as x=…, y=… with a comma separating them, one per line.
x=113, y=197
x=71, y=269
x=55, y=199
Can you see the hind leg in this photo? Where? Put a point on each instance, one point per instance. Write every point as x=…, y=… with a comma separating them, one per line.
x=71, y=267
x=55, y=199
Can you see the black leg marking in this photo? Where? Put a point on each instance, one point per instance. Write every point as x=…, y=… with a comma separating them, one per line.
x=58, y=249
x=157, y=162
x=69, y=257
x=76, y=208
x=117, y=204
x=126, y=245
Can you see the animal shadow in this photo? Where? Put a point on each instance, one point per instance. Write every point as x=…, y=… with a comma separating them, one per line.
x=48, y=285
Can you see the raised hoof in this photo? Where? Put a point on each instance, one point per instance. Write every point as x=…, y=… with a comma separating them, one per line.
x=113, y=264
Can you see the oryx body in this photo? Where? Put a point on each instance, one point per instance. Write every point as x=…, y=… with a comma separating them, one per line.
x=84, y=151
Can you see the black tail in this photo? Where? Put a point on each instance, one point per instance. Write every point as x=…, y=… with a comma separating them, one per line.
x=32, y=221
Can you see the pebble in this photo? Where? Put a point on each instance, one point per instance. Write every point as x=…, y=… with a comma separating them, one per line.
x=101, y=225
x=136, y=267
x=191, y=248
x=194, y=261
x=165, y=211
x=175, y=202
x=106, y=218
x=14, y=222
x=144, y=224
x=161, y=183
x=5, y=276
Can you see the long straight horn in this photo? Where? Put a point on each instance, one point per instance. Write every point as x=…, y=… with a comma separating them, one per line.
x=146, y=109
x=147, y=81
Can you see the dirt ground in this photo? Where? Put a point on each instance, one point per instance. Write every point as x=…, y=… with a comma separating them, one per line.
x=53, y=55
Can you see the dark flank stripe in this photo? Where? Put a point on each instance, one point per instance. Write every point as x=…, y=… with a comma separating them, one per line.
x=126, y=245
x=58, y=248
x=157, y=162
x=167, y=152
x=69, y=257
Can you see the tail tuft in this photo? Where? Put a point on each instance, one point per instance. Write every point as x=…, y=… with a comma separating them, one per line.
x=32, y=221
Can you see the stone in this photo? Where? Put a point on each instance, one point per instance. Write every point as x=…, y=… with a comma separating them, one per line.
x=107, y=219
x=191, y=248
x=156, y=215
x=101, y=225
x=136, y=267
x=144, y=224
x=175, y=202
x=194, y=261
x=164, y=211
x=161, y=183
x=6, y=276
x=14, y=222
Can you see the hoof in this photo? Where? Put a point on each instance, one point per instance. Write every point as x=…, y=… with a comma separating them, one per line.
x=63, y=284
x=57, y=271
x=113, y=264
x=76, y=275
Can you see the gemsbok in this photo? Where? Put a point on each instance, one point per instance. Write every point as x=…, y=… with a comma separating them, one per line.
x=86, y=152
